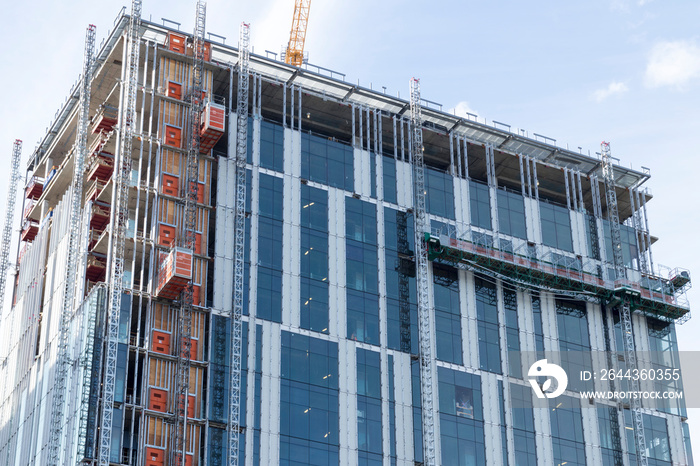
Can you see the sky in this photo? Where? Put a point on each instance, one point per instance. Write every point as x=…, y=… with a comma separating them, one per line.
x=623, y=71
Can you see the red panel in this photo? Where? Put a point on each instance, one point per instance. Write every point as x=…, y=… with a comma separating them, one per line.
x=155, y=456
x=174, y=90
x=161, y=342
x=166, y=235
x=173, y=136
x=170, y=185
x=158, y=400
x=191, y=405
x=196, y=290
x=176, y=42
x=194, y=344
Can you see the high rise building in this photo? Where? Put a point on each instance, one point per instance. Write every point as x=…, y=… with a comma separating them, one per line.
x=521, y=239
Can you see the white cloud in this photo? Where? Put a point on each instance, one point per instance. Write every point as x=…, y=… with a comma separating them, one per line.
x=462, y=108
x=613, y=88
x=673, y=64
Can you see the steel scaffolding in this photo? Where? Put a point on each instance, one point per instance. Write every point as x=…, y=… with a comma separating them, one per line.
x=234, y=421
x=122, y=176
x=427, y=362
x=73, y=256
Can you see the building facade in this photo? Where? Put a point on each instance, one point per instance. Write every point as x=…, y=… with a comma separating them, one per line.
x=520, y=249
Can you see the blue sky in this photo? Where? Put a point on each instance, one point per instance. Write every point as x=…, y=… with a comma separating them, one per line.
x=624, y=71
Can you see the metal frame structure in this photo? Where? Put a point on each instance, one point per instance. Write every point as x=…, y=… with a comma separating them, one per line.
x=234, y=422
x=9, y=217
x=427, y=362
x=625, y=305
x=297, y=37
x=120, y=196
x=73, y=256
x=178, y=451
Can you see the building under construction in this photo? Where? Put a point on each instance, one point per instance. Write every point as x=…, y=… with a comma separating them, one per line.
x=226, y=259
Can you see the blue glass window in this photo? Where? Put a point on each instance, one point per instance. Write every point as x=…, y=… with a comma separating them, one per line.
x=360, y=221
x=258, y=395
x=537, y=318
x=326, y=161
x=523, y=425
x=461, y=418
x=271, y=146
x=402, y=310
x=314, y=259
x=480, y=204
x=572, y=324
x=656, y=436
x=369, y=407
x=510, y=304
x=629, y=244
x=363, y=317
x=556, y=226
x=448, y=325
x=373, y=175
x=487, y=325
x=440, y=193
x=270, y=231
x=567, y=431
x=511, y=214
x=609, y=431
x=309, y=432
x=392, y=413
x=389, y=175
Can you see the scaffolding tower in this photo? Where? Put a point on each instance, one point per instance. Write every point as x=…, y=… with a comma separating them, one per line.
x=73, y=256
x=625, y=304
x=120, y=198
x=427, y=370
x=9, y=217
x=234, y=425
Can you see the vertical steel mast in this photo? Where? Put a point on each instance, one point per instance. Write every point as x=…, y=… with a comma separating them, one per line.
x=625, y=306
x=234, y=421
x=9, y=216
x=421, y=227
x=179, y=447
x=76, y=201
x=120, y=218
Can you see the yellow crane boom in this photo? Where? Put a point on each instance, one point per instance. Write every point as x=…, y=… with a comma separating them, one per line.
x=295, y=48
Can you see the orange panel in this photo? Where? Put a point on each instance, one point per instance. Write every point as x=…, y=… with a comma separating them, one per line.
x=170, y=185
x=191, y=405
x=155, y=456
x=166, y=235
x=176, y=42
x=173, y=136
x=161, y=342
x=196, y=290
x=193, y=349
x=198, y=243
x=174, y=90
x=189, y=460
x=158, y=400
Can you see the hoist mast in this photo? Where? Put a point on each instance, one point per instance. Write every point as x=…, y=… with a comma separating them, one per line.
x=625, y=305
x=239, y=245
x=9, y=216
x=427, y=369
x=73, y=256
x=121, y=178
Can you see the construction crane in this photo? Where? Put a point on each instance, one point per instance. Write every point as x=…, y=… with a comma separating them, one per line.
x=234, y=421
x=427, y=369
x=9, y=216
x=73, y=256
x=294, y=54
x=624, y=308
x=120, y=219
